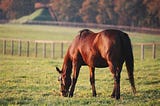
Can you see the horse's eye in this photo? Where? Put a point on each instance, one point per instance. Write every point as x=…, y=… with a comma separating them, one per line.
x=59, y=78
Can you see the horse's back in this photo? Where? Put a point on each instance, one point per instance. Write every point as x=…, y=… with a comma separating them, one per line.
x=111, y=41
x=95, y=49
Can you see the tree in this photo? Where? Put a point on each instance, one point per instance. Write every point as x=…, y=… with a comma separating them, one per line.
x=117, y=12
x=4, y=5
x=106, y=13
x=89, y=11
x=67, y=10
x=20, y=8
x=153, y=10
x=14, y=9
x=130, y=12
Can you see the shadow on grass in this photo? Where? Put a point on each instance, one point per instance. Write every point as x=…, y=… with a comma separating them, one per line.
x=14, y=100
x=148, y=97
x=144, y=97
x=152, y=82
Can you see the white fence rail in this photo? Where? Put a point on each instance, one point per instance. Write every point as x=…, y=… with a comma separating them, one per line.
x=56, y=49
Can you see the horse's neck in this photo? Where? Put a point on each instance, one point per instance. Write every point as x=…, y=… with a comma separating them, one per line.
x=67, y=66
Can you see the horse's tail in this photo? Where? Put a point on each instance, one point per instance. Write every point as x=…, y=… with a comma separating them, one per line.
x=129, y=60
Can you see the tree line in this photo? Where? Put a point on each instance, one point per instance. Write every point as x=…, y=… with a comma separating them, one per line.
x=142, y=13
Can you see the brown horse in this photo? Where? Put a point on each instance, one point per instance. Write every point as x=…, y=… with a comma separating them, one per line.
x=109, y=48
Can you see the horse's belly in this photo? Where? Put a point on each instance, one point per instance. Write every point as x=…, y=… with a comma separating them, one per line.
x=94, y=61
x=100, y=63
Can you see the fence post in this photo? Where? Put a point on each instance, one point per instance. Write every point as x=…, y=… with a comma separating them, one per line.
x=36, y=50
x=4, y=46
x=62, y=50
x=19, y=47
x=154, y=51
x=27, y=50
x=12, y=47
x=52, y=49
x=44, y=50
x=142, y=52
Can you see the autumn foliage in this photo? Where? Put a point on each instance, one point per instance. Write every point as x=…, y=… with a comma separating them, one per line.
x=144, y=13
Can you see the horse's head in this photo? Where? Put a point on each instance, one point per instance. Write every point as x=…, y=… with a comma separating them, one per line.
x=64, y=81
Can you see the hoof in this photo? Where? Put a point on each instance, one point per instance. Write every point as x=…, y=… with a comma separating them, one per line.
x=117, y=98
x=94, y=95
x=70, y=95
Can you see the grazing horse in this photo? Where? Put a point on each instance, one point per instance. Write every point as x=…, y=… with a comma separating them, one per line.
x=108, y=48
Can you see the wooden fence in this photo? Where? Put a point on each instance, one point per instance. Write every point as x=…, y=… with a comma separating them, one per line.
x=56, y=49
x=23, y=47
x=154, y=49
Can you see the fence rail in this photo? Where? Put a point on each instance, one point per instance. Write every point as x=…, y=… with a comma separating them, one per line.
x=99, y=26
x=55, y=49
x=8, y=47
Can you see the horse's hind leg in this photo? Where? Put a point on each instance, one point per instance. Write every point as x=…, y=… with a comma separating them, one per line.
x=92, y=80
x=116, y=90
x=116, y=71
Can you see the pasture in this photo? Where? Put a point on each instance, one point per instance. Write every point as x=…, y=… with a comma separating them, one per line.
x=37, y=32
x=53, y=33
x=33, y=81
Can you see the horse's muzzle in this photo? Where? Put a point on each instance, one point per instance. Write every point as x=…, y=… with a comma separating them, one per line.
x=64, y=94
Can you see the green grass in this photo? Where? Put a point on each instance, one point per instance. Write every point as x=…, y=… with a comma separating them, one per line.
x=37, y=32
x=33, y=81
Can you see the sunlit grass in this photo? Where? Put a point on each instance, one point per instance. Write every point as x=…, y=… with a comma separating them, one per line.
x=34, y=81
x=43, y=32
x=37, y=32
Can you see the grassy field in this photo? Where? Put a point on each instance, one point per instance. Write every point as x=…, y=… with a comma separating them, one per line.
x=37, y=32
x=33, y=81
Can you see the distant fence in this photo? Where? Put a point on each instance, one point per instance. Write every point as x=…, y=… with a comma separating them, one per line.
x=147, y=48
x=98, y=26
x=56, y=49
x=36, y=48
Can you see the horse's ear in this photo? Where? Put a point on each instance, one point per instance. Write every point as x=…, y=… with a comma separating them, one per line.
x=59, y=71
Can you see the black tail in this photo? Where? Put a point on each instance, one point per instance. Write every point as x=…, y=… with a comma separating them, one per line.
x=129, y=61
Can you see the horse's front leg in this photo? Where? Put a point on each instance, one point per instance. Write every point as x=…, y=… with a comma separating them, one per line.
x=76, y=69
x=92, y=81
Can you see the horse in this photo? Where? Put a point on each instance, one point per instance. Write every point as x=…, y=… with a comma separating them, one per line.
x=108, y=48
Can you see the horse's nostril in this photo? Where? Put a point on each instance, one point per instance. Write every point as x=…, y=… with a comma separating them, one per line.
x=64, y=94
